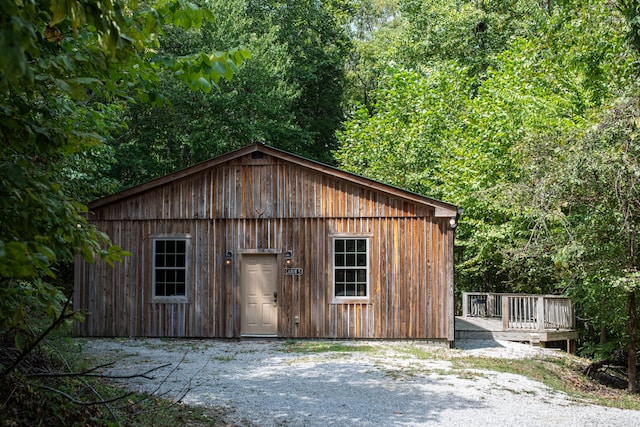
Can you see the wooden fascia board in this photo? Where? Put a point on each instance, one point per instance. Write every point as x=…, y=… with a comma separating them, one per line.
x=442, y=209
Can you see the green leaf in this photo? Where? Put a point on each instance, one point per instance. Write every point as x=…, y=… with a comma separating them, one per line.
x=204, y=84
x=18, y=341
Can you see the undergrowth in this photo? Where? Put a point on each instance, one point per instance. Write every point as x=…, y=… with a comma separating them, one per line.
x=37, y=394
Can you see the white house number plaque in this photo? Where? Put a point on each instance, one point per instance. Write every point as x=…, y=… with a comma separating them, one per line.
x=293, y=272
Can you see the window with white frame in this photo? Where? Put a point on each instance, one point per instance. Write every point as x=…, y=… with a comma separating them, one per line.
x=170, y=267
x=350, y=267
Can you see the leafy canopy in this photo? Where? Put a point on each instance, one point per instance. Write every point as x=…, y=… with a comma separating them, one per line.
x=65, y=69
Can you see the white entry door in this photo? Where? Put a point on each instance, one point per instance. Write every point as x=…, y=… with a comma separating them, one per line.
x=259, y=294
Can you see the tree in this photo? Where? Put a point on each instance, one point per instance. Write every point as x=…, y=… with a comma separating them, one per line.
x=377, y=31
x=580, y=196
x=405, y=142
x=314, y=33
x=590, y=220
x=195, y=126
x=472, y=133
x=471, y=33
x=64, y=69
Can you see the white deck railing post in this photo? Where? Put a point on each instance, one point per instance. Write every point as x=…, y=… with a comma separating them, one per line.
x=540, y=313
x=465, y=304
x=505, y=312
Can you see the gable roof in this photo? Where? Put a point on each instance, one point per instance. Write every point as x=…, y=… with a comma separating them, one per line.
x=442, y=209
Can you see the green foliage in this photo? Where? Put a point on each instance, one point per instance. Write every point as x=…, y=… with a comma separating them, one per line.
x=65, y=69
x=583, y=204
x=315, y=36
x=52, y=106
x=501, y=107
x=195, y=126
x=470, y=33
x=523, y=136
x=29, y=306
x=288, y=96
x=41, y=225
x=631, y=11
x=403, y=143
x=377, y=36
x=75, y=400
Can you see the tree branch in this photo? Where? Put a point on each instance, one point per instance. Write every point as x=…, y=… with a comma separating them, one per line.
x=88, y=373
x=82, y=403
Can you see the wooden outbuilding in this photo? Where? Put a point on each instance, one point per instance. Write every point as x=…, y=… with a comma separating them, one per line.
x=261, y=242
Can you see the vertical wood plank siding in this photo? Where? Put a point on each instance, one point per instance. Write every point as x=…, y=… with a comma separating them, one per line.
x=254, y=205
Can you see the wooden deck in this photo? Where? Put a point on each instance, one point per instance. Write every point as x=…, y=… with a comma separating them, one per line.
x=513, y=317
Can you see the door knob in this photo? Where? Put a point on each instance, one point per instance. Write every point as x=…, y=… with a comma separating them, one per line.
x=275, y=296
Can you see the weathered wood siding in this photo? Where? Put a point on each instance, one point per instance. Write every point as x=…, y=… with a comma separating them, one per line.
x=264, y=204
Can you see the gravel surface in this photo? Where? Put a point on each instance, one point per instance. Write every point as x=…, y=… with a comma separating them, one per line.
x=265, y=383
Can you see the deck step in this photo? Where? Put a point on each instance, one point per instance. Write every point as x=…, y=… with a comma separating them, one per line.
x=534, y=339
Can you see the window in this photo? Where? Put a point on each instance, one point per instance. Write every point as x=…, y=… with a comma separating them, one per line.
x=170, y=267
x=351, y=267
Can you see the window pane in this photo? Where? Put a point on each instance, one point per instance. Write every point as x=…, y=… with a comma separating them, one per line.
x=170, y=267
x=351, y=260
x=350, y=272
x=160, y=289
x=350, y=276
x=171, y=276
x=180, y=289
x=362, y=276
x=160, y=276
x=351, y=245
x=180, y=276
x=170, y=260
x=362, y=260
x=181, y=260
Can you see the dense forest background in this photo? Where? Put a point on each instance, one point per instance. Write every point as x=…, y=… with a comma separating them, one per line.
x=524, y=112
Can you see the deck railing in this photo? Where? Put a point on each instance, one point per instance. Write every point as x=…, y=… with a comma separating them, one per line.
x=481, y=304
x=521, y=311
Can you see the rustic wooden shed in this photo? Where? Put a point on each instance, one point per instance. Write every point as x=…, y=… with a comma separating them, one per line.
x=263, y=242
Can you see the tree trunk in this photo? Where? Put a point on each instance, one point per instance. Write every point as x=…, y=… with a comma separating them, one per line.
x=633, y=342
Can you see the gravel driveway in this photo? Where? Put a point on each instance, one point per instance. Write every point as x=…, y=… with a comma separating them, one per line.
x=265, y=383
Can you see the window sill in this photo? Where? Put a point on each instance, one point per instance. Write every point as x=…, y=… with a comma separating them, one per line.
x=169, y=300
x=354, y=300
